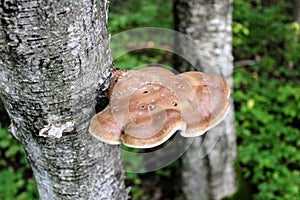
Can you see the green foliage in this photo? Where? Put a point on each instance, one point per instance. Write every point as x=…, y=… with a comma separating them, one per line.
x=14, y=186
x=131, y=163
x=15, y=175
x=268, y=134
x=126, y=15
x=267, y=99
x=140, y=58
x=135, y=180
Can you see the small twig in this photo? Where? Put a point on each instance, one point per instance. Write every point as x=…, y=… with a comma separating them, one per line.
x=242, y=63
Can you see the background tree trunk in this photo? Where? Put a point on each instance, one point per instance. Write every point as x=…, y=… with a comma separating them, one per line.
x=52, y=55
x=296, y=12
x=208, y=171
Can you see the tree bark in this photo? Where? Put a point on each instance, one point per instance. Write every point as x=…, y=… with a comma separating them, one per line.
x=53, y=56
x=296, y=11
x=208, y=171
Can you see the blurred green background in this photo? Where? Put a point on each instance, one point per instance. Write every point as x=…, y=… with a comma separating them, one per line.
x=266, y=94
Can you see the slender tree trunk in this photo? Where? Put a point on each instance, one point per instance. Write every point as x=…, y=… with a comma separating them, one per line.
x=296, y=12
x=52, y=56
x=208, y=171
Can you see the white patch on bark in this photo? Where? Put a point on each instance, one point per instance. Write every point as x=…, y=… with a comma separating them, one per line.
x=55, y=130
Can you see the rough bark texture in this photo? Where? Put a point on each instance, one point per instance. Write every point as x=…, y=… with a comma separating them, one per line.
x=52, y=56
x=208, y=164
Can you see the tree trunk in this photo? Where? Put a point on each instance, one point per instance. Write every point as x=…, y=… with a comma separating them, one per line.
x=296, y=12
x=52, y=56
x=208, y=171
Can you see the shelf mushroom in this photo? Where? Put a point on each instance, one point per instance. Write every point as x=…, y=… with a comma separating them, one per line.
x=149, y=105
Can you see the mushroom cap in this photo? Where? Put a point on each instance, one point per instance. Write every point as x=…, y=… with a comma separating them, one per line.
x=149, y=105
x=104, y=127
x=154, y=116
x=212, y=93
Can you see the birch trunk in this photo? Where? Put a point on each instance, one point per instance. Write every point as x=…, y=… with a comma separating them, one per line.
x=53, y=54
x=208, y=171
x=296, y=11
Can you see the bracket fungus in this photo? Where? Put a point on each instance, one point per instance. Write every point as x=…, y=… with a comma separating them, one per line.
x=149, y=105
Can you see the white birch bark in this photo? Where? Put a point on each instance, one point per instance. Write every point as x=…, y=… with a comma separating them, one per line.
x=208, y=171
x=53, y=54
